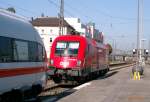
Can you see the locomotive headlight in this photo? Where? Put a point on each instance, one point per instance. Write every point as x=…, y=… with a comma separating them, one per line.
x=78, y=62
x=52, y=62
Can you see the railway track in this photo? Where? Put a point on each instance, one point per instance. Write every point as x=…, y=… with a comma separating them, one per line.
x=54, y=90
x=120, y=66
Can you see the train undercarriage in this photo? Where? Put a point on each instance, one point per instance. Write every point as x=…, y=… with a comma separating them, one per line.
x=20, y=95
x=75, y=76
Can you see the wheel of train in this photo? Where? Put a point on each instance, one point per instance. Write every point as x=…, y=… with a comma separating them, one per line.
x=57, y=79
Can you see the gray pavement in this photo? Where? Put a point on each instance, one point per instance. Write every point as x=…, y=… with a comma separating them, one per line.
x=116, y=86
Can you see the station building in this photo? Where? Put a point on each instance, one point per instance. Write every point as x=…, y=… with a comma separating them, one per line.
x=48, y=28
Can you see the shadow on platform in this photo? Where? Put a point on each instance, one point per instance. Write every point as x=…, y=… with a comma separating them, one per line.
x=109, y=74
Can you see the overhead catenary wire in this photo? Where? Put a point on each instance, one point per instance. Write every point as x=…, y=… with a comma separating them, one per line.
x=56, y=5
x=70, y=13
x=108, y=15
x=77, y=10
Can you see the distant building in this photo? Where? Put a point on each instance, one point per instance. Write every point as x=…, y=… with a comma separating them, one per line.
x=95, y=33
x=78, y=26
x=48, y=28
x=86, y=30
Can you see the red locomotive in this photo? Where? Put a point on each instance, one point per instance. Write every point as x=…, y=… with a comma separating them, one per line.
x=77, y=58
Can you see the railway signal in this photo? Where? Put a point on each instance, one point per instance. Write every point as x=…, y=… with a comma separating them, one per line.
x=134, y=51
x=145, y=52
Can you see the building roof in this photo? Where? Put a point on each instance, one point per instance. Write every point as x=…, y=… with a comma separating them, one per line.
x=48, y=21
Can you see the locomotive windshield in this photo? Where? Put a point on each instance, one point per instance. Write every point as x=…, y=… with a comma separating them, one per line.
x=67, y=48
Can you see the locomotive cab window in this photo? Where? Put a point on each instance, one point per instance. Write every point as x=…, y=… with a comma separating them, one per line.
x=67, y=48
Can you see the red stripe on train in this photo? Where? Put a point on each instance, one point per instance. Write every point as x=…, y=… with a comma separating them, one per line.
x=20, y=71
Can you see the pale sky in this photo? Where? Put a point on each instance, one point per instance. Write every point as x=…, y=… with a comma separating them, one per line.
x=116, y=18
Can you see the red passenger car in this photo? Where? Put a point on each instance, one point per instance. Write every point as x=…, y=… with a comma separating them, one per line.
x=76, y=58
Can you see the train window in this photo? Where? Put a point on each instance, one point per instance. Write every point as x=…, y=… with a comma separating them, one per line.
x=61, y=45
x=40, y=53
x=6, y=51
x=33, y=51
x=67, y=48
x=73, y=47
x=20, y=50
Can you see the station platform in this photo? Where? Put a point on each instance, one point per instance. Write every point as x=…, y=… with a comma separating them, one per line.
x=115, y=86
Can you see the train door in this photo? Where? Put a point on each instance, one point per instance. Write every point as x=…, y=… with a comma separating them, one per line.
x=23, y=55
x=87, y=54
x=41, y=56
x=101, y=57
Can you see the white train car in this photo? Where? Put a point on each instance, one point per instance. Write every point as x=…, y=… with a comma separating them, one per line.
x=22, y=58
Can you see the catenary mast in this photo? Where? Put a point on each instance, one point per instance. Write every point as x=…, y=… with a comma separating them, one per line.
x=139, y=35
x=61, y=17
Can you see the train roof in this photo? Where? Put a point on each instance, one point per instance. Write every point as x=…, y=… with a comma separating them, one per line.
x=15, y=26
x=81, y=38
x=70, y=37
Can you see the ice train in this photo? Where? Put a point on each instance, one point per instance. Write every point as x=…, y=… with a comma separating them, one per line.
x=22, y=59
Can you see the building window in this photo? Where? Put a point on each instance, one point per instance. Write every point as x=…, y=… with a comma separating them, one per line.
x=51, y=40
x=42, y=30
x=78, y=20
x=51, y=31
